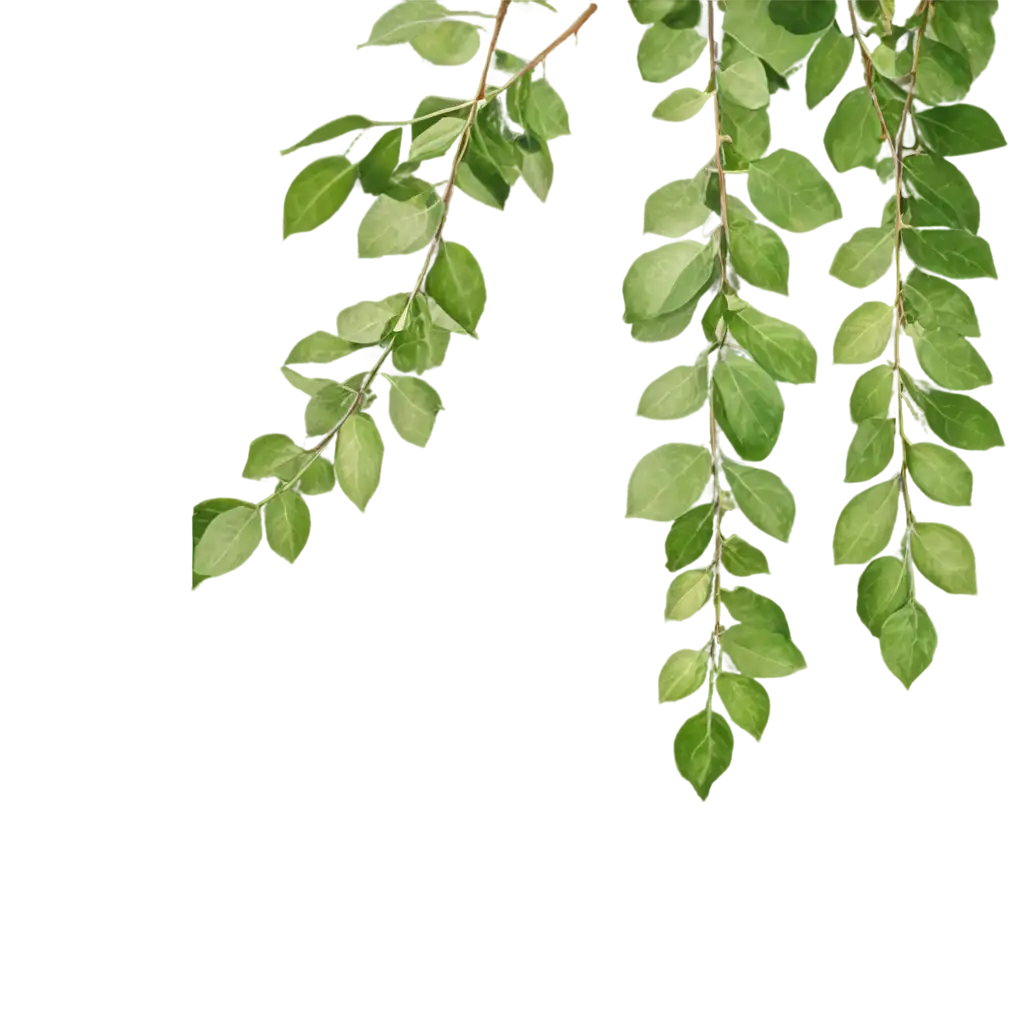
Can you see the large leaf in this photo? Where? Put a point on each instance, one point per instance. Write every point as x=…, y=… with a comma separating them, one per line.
x=703, y=750
x=759, y=256
x=748, y=406
x=852, y=138
x=908, y=642
x=689, y=537
x=864, y=334
x=959, y=420
x=202, y=515
x=866, y=523
x=394, y=227
x=332, y=130
x=950, y=359
x=944, y=556
x=667, y=278
x=940, y=473
x=762, y=497
x=288, y=524
x=943, y=75
x=447, y=42
x=745, y=84
x=780, y=348
x=864, y=258
x=883, y=588
x=872, y=394
x=358, y=456
x=376, y=168
x=749, y=22
x=827, y=64
x=682, y=674
x=943, y=197
x=677, y=208
x=753, y=609
x=228, y=541
x=687, y=594
x=959, y=129
x=933, y=302
x=788, y=189
x=456, y=283
x=746, y=700
x=667, y=481
x=953, y=253
x=871, y=450
x=761, y=653
x=413, y=406
x=273, y=455
x=675, y=394
x=666, y=52
x=317, y=193
x=403, y=23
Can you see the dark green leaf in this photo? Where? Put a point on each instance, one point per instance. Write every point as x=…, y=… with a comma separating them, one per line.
x=827, y=64
x=358, y=456
x=413, y=406
x=689, y=537
x=853, y=136
x=762, y=497
x=801, y=17
x=667, y=481
x=940, y=473
x=908, y=641
x=959, y=129
x=943, y=75
x=318, y=479
x=742, y=559
x=272, y=455
x=781, y=349
x=682, y=674
x=872, y=394
x=866, y=524
x=675, y=394
x=864, y=334
x=287, y=524
x=703, y=750
x=666, y=52
x=870, y=451
x=759, y=256
x=376, y=168
x=950, y=359
x=959, y=420
x=761, y=653
x=447, y=42
x=317, y=193
x=393, y=227
x=864, y=258
x=753, y=609
x=649, y=11
x=331, y=130
x=681, y=105
x=883, y=588
x=677, y=208
x=456, y=283
x=228, y=541
x=748, y=407
x=787, y=188
x=933, y=302
x=667, y=278
x=943, y=197
x=746, y=700
x=945, y=557
x=687, y=594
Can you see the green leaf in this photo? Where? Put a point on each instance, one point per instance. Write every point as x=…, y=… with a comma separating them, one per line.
x=872, y=394
x=320, y=347
x=866, y=524
x=703, y=750
x=668, y=325
x=687, y=594
x=394, y=227
x=753, y=609
x=871, y=450
x=403, y=23
x=420, y=355
x=437, y=139
x=667, y=278
x=959, y=420
x=317, y=193
x=318, y=479
x=750, y=132
x=761, y=653
x=507, y=63
x=781, y=349
x=883, y=589
x=430, y=110
x=307, y=385
x=943, y=75
x=228, y=541
x=366, y=323
x=272, y=455
x=413, y=407
x=759, y=256
x=738, y=210
x=749, y=22
x=967, y=28
x=358, y=456
x=681, y=105
x=287, y=524
x=864, y=334
x=649, y=11
x=748, y=407
x=908, y=641
x=940, y=473
x=853, y=136
x=787, y=188
x=666, y=52
x=447, y=42
x=950, y=359
x=827, y=65
x=741, y=558
x=943, y=197
x=745, y=84
x=332, y=130
x=538, y=170
x=864, y=258
x=689, y=537
x=959, y=129
x=684, y=14
x=456, y=283
x=544, y=112
x=675, y=394
x=933, y=302
x=376, y=168
x=677, y=208
x=682, y=674
x=892, y=99
x=202, y=515
x=746, y=700
x=801, y=17
x=762, y=497
x=945, y=557
x=667, y=481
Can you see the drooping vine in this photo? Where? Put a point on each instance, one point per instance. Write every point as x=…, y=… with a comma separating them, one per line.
x=500, y=135
x=909, y=109
x=750, y=352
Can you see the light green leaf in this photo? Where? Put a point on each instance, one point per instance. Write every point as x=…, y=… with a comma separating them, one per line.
x=307, y=385
x=272, y=455
x=866, y=524
x=437, y=139
x=950, y=359
x=864, y=334
x=317, y=193
x=703, y=750
x=538, y=170
x=942, y=196
x=750, y=132
x=667, y=481
x=945, y=557
x=781, y=349
x=943, y=75
x=689, y=537
x=749, y=22
x=403, y=23
x=787, y=188
x=741, y=558
x=668, y=325
x=761, y=653
x=677, y=208
x=202, y=515
x=762, y=497
x=959, y=420
x=544, y=111
x=864, y=258
x=687, y=594
x=748, y=406
x=287, y=524
x=318, y=479
x=447, y=42
x=666, y=52
x=228, y=541
x=933, y=302
x=753, y=609
x=953, y=253
x=746, y=700
x=358, y=456
x=908, y=642
x=940, y=473
x=854, y=136
x=332, y=130
x=827, y=65
x=681, y=105
x=675, y=394
x=394, y=227
x=413, y=407
x=959, y=129
x=872, y=394
x=366, y=323
x=682, y=674
x=871, y=450
x=667, y=278
x=745, y=84
x=456, y=283
x=883, y=588
x=320, y=347
x=759, y=256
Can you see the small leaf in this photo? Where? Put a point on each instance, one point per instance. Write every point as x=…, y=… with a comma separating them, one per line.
x=945, y=557
x=748, y=407
x=870, y=451
x=951, y=360
x=544, y=112
x=228, y=541
x=864, y=258
x=358, y=456
x=952, y=253
x=762, y=497
x=883, y=588
x=677, y=208
x=437, y=139
x=940, y=473
x=759, y=256
x=395, y=227
x=933, y=302
x=689, y=537
x=853, y=136
x=272, y=455
x=318, y=479
x=780, y=348
x=703, y=750
x=959, y=129
x=675, y=394
x=539, y=170
x=750, y=132
x=908, y=641
x=864, y=334
x=760, y=653
x=403, y=23
x=828, y=64
x=682, y=674
x=745, y=84
x=687, y=594
x=456, y=283
x=788, y=189
x=667, y=278
x=872, y=395
x=741, y=558
x=802, y=17
x=317, y=193
x=376, y=168
x=666, y=52
x=746, y=700
x=413, y=407
x=332, y=130
x=320, y=347
x=866, y=523
x=287, y=524
x=681, y=105
x=366, y=323
x=753, y=609
x=667, y=481
x=447, y=42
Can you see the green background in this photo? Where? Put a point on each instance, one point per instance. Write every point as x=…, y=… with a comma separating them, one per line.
x=333, y=797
